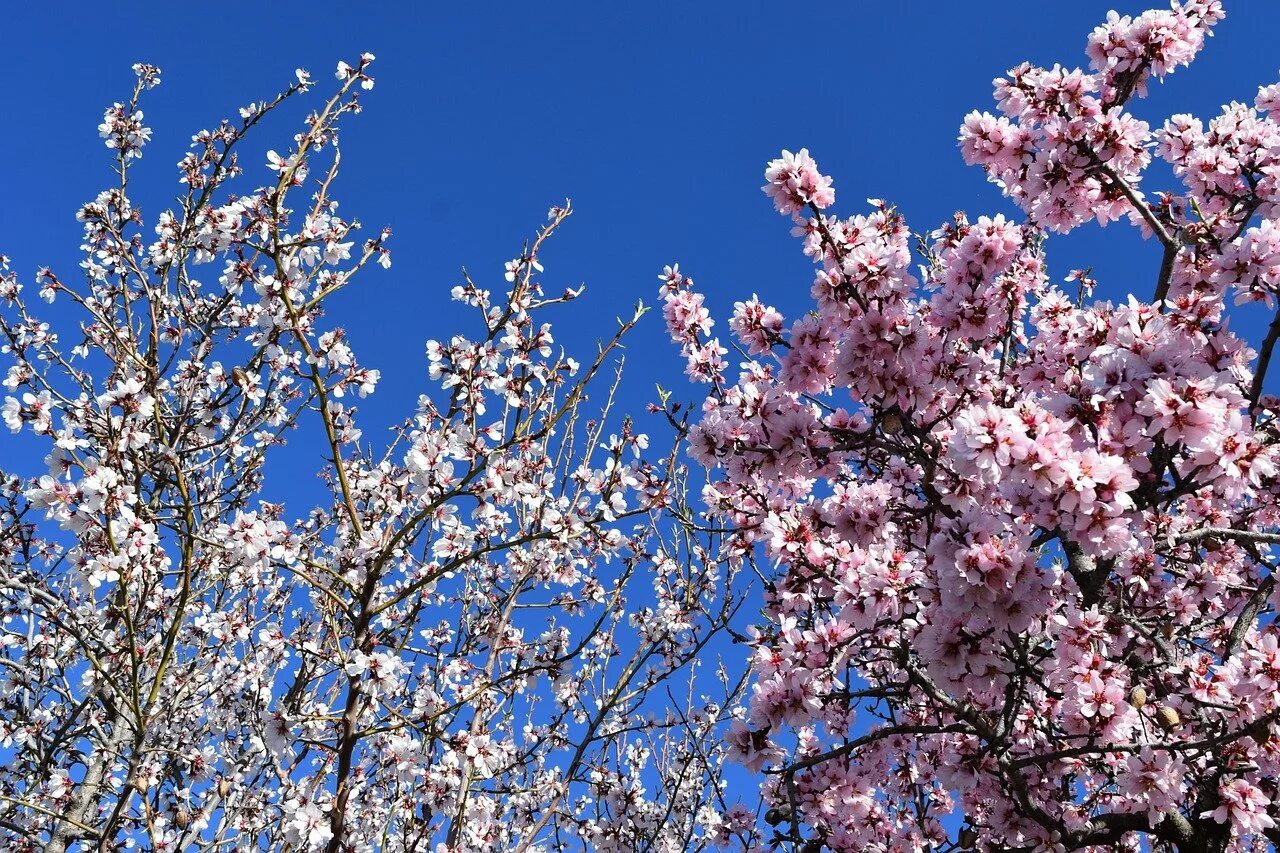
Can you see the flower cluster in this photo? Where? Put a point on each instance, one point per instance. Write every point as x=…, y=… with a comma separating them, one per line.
x=1023, y=538
x=689, y=323
x=1064, y=147
x=794, y=183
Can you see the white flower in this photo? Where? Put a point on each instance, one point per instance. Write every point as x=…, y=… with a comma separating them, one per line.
x=307, y=825
x=12, y=414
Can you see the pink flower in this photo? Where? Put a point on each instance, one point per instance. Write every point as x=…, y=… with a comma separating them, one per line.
x=794, y=183
x=1243, y=805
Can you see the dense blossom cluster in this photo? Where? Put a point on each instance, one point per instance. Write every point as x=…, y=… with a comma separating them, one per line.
x=1024, y=593
x=457, y=649
x=1064, y=148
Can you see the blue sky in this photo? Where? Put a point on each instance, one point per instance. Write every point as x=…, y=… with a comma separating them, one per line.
x=656, y=120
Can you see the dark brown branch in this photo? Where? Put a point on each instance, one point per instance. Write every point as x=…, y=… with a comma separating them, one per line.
x=1264, y=360
x=1227, y=533
x=1165, y=278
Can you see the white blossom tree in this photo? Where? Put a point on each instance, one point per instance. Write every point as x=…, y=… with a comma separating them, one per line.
x=487, y=635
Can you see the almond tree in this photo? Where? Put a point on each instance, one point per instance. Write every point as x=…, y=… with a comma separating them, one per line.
x=485, y=636
x=1024, y=536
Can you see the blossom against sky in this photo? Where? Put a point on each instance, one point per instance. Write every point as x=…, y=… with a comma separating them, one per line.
x=657, y=127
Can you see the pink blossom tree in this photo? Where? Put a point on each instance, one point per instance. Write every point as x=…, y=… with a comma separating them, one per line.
x=491, y=633
x=1023, y=539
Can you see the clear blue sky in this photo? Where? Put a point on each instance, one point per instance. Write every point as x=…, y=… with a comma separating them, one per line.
x=656, y=120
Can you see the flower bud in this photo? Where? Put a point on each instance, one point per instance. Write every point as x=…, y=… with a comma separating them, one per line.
x=967, y=839
x=1168, y=717
x=891, y=423
x=224, y=787
x=182, y=819
x=1138, y=696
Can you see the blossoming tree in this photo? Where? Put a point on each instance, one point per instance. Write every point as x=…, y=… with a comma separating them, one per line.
x=1024, y=537
x=486, y=636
